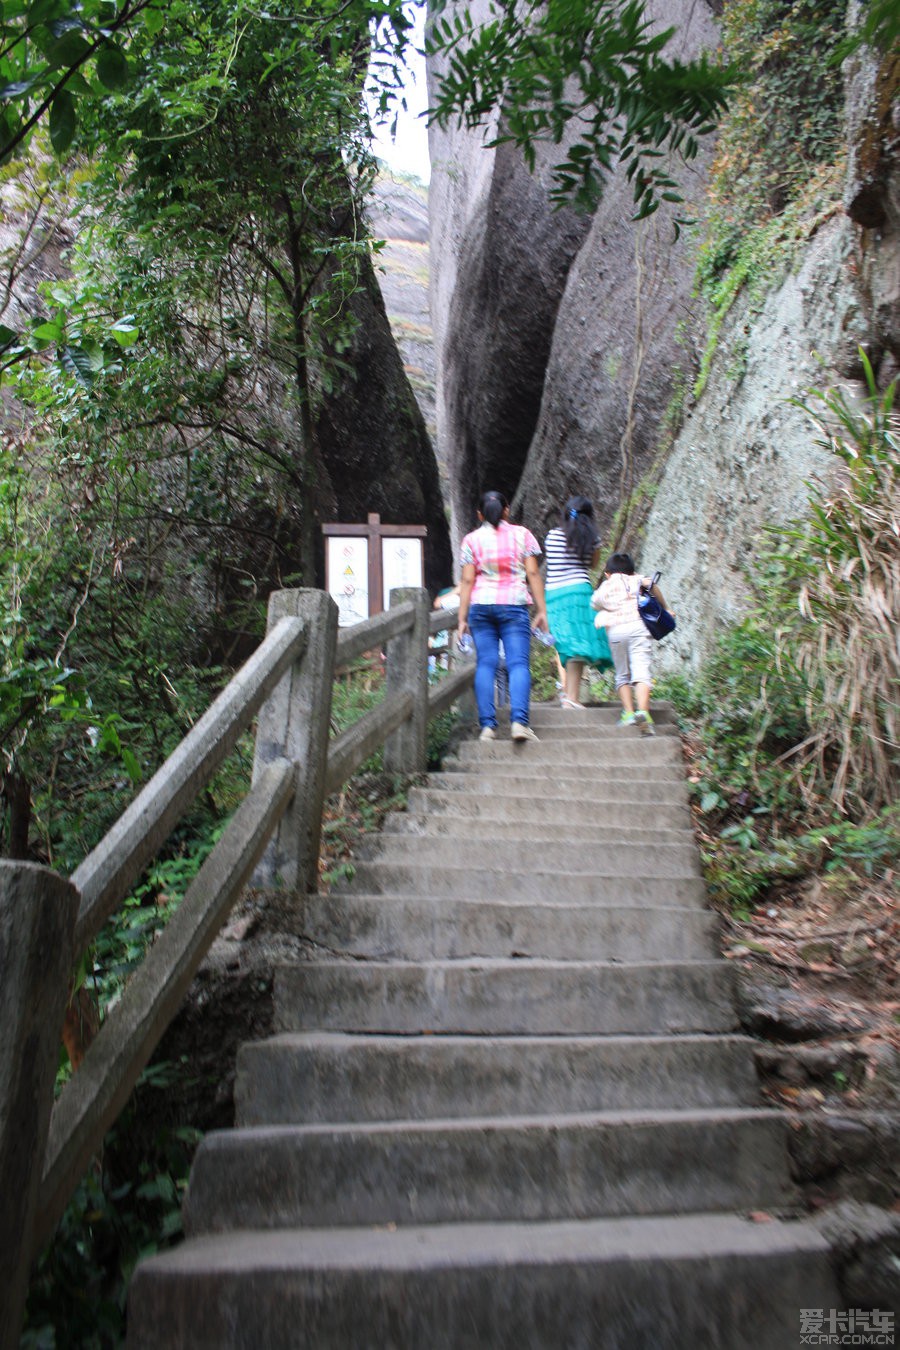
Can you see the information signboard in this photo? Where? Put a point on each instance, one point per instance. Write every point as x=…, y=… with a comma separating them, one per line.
x=347, y=568
x=364, y=563
x=401, y=565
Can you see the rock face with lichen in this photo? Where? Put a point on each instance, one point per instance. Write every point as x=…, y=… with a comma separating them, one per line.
x=746, y=451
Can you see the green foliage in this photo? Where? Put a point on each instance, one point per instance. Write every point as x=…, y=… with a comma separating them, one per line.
x=775, y=176
x=595, y=64
x=842, y=570
x=236, y=163
x=798, y=707
x=122, y=943
x=786, y=117
x=440, y=731
x=127, y=1207
x=355, y=693
x=879, y=25
x=743, y=861
x=752, y=258
x=544, y=672
x=56, y=55
x=166, y=384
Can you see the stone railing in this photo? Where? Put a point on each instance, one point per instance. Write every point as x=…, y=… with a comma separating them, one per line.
x=47, y=922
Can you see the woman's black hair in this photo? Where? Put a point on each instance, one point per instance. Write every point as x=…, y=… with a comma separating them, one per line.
x=620, y=562
x=493, y=504
x=578, y=523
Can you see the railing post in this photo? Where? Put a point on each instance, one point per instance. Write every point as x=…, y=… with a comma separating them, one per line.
x=37, y=926
x=406, y=749
x=294, y=724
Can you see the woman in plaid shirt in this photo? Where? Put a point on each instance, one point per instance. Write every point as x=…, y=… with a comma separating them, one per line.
x=500, y=579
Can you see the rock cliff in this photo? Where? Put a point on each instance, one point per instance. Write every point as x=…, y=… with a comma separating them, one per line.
x=373, y=439
x=535, y=320
x=499, y=261
x=745, y=452
x=398, y=218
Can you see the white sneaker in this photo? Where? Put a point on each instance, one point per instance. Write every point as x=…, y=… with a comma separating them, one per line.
x=488, y=734
x=522, y=733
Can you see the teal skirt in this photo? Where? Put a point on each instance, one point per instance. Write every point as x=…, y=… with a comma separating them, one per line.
x=571, y=622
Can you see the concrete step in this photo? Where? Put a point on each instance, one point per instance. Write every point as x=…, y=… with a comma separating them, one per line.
x=648, y=858
x=620, y=752
x=661, y=1283
x=584, y=810
x=300, y=1079
x=513, y=1080
x=660, y=786
x=489, y=1169
x=582, y=726
x=595, y=714
x=506, y=998
x=426, y=928
x=598, y=884
x=532, y=831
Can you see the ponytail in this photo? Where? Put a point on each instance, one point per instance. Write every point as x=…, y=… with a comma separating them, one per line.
x=493, y=504
x=578, y=523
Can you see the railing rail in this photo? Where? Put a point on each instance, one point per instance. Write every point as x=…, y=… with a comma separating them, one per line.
x=441, y=620
x=373, y=633
x=92, y=1099
x=358, y=742
x=107, y=873
x=274, y=836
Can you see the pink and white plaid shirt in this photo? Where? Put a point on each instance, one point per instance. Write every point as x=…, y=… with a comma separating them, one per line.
x=499, y=558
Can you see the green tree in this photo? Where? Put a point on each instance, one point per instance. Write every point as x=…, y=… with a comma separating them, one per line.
x=240, y=154
x=168, y=381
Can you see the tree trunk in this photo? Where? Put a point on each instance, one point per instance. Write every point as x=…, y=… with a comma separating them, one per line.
x=17, y=792
x=309, y=516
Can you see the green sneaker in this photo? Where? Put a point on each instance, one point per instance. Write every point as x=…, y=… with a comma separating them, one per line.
x=646, y=722
x=627, y=719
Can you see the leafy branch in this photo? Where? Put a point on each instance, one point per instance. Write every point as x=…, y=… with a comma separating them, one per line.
x=593, y=65
x=46, y=45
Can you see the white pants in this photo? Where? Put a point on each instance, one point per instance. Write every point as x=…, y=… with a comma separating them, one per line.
x=632, y=648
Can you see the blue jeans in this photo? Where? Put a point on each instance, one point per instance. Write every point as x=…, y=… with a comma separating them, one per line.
x=490, y=625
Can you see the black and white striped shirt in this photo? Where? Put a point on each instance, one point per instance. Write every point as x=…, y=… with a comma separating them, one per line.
x=563, y=568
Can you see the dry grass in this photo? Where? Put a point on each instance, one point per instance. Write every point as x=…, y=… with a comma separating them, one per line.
x=843, y=640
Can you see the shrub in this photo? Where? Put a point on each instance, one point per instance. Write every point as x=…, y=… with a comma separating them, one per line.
x=839, y=640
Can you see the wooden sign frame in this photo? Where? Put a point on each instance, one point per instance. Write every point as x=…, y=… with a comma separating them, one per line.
x=374, y=532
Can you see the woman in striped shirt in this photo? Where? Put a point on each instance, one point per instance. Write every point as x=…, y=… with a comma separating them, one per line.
x=572, y=549
x=500, y=577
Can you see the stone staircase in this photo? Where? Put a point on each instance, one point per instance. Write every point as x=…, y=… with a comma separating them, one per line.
x=510, y=1106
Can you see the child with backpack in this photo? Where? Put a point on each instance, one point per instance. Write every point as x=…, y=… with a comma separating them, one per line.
x=617, y=600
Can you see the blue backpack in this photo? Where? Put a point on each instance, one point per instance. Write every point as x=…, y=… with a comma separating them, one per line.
x=657, y=620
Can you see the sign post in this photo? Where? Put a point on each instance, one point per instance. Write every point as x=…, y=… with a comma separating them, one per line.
x=364, y=563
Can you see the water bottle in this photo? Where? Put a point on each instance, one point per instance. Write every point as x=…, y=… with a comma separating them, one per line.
x=547, y=639
x=465, y=644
